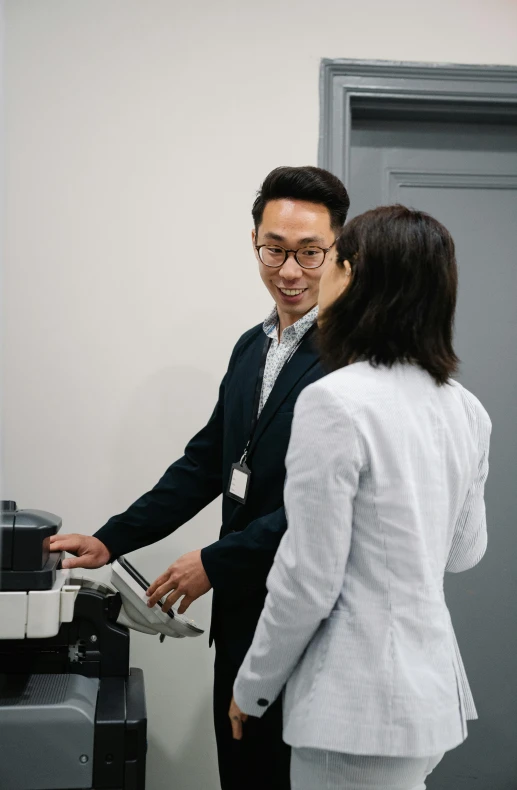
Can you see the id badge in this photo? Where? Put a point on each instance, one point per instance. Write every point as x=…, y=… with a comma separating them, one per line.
x=239, y=482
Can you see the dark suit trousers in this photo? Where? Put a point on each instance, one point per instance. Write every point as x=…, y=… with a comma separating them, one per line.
x=261, y=760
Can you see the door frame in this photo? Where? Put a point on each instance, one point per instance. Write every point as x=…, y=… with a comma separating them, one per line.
x=381, y=88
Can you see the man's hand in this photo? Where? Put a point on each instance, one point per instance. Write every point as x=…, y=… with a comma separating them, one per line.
x=237, y=718
x=186, y=578
x=90, y=552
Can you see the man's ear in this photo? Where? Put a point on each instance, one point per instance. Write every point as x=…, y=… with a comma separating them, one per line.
x=253, y=237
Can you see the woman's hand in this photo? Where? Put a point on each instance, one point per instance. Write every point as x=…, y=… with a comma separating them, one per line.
x=237, y=718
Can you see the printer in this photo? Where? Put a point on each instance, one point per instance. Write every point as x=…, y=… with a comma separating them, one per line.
x=72, y=710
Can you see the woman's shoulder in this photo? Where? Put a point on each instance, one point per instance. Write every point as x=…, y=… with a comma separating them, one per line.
x=350, y=386
x=472, y=405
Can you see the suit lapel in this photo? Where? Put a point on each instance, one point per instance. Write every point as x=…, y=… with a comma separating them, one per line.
x=247, y=372
x=303, y=359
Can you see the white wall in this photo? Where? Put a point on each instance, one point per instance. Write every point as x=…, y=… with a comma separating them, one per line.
x=137, y=133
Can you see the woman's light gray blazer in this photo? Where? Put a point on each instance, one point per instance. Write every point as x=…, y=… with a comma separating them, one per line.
x=384, y=493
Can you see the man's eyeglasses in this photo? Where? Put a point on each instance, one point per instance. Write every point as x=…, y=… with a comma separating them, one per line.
x=307, y=257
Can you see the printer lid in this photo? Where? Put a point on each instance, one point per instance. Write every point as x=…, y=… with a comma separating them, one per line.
x=25, y=559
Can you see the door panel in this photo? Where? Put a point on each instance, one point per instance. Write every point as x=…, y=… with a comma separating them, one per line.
x=466, y=176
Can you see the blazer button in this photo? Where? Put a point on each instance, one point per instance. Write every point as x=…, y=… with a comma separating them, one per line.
x=263, y=703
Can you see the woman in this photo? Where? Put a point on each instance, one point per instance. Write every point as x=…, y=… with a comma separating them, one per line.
x=385, y=483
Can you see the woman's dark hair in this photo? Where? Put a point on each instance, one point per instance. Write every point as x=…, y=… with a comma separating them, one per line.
x=304, y=183
x=400, y=303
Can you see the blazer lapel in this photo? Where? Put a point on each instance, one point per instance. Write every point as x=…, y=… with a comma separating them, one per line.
x=303, y=359
x=247, y=373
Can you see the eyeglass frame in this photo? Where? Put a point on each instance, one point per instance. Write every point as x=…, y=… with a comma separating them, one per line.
x=324, y=250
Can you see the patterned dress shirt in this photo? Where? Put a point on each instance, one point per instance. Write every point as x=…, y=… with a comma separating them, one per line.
x=280, y=351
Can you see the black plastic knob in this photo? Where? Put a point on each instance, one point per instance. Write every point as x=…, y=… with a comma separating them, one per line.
x=8, y=506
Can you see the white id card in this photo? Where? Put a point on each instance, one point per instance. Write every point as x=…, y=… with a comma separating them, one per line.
x=239, y=483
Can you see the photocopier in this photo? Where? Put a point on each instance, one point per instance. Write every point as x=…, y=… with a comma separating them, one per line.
x=72, y=710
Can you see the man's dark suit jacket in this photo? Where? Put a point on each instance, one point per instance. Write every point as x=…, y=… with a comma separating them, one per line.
x=238, y=563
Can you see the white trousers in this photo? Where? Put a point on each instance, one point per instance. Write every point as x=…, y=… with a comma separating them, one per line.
x=316, y=769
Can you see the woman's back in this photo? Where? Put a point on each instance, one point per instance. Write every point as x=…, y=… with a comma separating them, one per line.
x=402, y=502
x=421, y=446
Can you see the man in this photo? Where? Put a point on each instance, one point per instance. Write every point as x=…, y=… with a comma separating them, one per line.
x=240, y=453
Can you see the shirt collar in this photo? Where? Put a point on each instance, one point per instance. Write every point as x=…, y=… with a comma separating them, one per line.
x=295, y=331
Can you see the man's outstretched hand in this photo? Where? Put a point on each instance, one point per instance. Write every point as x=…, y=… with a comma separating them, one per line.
x=186, y=578
x=90, y=552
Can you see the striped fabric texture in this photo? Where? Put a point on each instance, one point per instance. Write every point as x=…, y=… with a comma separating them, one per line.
x=314, y=769
x=384, y=493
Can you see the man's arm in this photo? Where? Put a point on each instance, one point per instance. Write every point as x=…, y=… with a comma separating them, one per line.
x=242, y=560
x=186, y=487
x=237, y=561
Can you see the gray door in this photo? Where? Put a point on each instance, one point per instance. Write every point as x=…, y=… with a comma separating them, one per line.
x=465, y=174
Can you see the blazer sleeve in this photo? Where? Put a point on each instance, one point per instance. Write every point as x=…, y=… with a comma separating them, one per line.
x=242, y=560
x=324, y=462
x=470, y=534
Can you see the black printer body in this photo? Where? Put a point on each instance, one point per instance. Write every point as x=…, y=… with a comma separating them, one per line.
x=72, y=711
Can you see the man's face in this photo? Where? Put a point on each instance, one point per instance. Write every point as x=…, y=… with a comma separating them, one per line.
x=293, y=224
